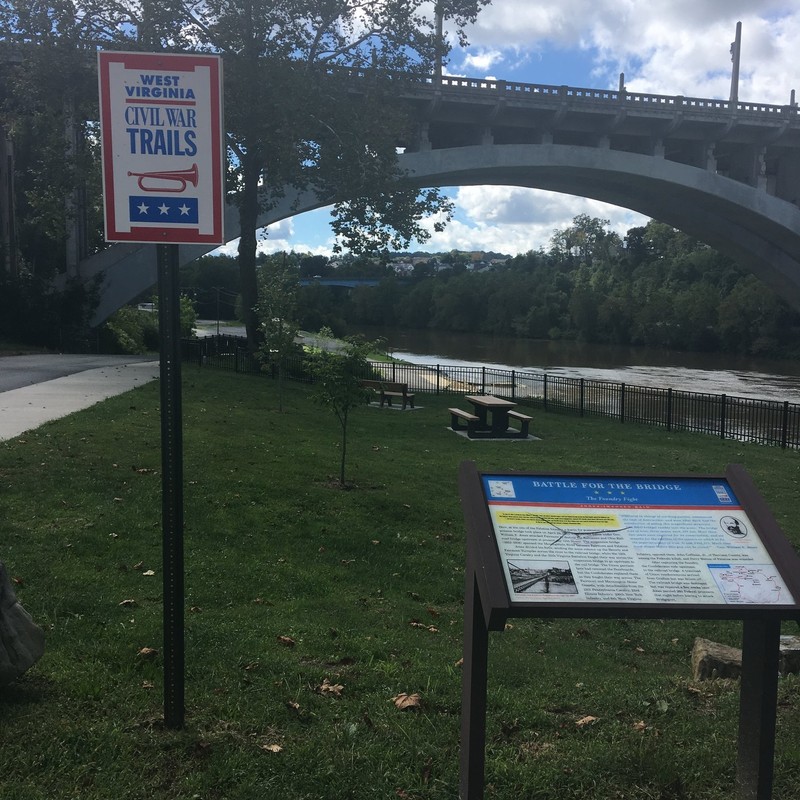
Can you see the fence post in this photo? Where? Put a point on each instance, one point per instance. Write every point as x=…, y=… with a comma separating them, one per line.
x=483, y=380
x=394, y=378
x=544, y=392
x=723, y=399
x=622, y=402
x=669, y=409
x=438, y=374
x=513, y=384
x=582, y=396
x=785, y=425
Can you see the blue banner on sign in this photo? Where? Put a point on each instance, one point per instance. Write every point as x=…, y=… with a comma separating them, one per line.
x=607, y=491
x=163, y=209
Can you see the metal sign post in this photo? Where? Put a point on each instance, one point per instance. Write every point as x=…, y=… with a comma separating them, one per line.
x=171, y=482
x=161, y=133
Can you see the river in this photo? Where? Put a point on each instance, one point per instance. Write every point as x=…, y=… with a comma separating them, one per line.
x=717, y=373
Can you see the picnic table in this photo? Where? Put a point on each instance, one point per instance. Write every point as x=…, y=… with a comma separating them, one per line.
x=492, y=412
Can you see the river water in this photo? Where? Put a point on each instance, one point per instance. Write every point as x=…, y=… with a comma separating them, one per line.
x=741, y=376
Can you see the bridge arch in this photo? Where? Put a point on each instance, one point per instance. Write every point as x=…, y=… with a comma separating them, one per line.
x=758, y=230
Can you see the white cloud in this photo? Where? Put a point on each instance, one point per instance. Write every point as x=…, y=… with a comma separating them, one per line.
x=481, y=61
x=514, y=220
x=671, y=47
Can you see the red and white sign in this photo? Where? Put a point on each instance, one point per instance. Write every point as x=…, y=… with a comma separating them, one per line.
x=162, y=139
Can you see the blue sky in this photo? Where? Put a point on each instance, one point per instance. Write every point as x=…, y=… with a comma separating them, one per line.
x=667, y=47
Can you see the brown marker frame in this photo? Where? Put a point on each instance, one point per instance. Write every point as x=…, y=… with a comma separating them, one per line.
x=488, y=606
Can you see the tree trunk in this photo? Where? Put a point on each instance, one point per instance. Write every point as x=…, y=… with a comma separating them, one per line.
x=344, y=449
x=248, y=216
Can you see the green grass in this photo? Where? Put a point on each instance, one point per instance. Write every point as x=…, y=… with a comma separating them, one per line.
x=367, y=584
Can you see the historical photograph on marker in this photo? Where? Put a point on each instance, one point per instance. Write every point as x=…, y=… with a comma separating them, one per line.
x=541, y=577
x=630, y=540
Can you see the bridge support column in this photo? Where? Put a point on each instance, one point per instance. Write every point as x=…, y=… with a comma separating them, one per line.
x=424, y=138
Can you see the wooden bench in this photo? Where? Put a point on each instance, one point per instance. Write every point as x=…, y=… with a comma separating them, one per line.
x=387, y=390
x=457, y=414
x=524, y=422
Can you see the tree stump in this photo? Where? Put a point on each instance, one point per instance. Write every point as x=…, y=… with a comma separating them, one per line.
x=21, y=639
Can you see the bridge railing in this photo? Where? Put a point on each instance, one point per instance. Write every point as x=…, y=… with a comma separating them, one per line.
x=769, y=422
x=519, y=90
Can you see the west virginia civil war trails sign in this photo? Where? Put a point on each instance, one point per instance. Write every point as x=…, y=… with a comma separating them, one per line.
x=611, y=545
x=162, y=140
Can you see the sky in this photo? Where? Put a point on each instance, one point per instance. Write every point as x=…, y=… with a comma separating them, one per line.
x=666, y=47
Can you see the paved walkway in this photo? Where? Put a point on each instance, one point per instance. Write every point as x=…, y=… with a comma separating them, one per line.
x=35, y=389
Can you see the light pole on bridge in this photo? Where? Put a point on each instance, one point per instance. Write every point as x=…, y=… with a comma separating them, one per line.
x=736, y=51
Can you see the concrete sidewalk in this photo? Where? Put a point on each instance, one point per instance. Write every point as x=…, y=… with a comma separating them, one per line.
x=28, y=406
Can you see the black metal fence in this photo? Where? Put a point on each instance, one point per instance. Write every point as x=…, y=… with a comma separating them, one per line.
x=770, y=422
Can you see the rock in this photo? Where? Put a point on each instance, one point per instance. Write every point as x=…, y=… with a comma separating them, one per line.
x=21, y=639
x=714, y=660
x=789, y=659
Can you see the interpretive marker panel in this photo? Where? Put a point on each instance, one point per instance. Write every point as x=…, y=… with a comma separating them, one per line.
x=161, y=132
x=600, y=546
x=629, y=540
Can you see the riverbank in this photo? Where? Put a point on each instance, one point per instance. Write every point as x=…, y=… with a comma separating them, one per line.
x=690, y=372
x=717, y=373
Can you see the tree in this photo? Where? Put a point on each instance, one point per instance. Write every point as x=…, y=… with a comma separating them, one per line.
x=277, y=310
x=337, y=378
x=49, y=91
x=297, y=117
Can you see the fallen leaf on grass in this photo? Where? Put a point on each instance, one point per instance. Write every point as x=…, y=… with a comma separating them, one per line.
x=459, y=663
x=148, y=572
x=587, y=720
x=17, y=581
x=138, y=565
x=271, y=748
x=148, y=685
x=148, y=653
x=286, y=641
x=127, y=603
x=640, y=726
x=430, y=628
x=331, y=688
x=403, y=701
x=293, y=705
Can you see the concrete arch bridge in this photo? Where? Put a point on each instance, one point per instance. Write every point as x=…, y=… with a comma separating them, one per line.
x=726, y=172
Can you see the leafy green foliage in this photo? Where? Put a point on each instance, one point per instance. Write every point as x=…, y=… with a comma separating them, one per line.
x=31, y=311
x=277, y=310
x=658, y=288
x=337, y=381
x=131, y=330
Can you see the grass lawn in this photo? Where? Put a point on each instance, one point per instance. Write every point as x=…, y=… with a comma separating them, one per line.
x=310, y=609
